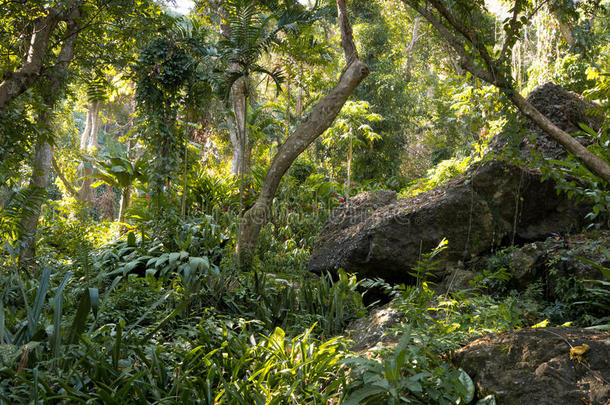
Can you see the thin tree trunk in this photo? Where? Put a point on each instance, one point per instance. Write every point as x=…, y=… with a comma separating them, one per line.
x=95, y=124
x=124, y=204
x=63, y=179
x=44, y=151
x=239, y=95
x=566, y=30
x=84, y=138
x=235, y=162
x=348, y=184
x=184, y=183
x=86, y=192
x=299, y=102
x=414, y=38
x=320, y=119
x=38, y=185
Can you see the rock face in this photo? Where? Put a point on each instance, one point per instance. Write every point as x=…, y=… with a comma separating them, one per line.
x=493, y=203
x=369, y=331
x=533, y=366
x=564, y=108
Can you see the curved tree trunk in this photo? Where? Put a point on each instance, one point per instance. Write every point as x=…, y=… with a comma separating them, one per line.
x=318, y=121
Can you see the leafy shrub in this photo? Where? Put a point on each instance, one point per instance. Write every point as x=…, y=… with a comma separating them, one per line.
x=408, y=375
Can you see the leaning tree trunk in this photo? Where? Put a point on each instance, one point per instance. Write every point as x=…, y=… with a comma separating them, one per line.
x=454, y=32
x=318, y=121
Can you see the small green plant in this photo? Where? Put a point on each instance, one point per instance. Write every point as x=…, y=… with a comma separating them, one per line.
x=428, y=263
x=406, y=376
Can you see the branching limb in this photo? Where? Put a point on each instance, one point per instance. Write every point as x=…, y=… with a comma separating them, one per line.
x=470, y=34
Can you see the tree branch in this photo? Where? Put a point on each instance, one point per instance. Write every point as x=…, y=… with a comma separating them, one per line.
x=65, y=181
x=511, y=33
x=318, y=121
x=466, y=61
x=18, y=81
x=592, y=162
x=470, y=34
x=347, y=37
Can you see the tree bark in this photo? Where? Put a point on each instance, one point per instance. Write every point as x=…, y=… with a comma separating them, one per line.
x=493, y=74
x=39, y=181
x=414, y=38
x=239, y=95
x=591, y=161
x=320, y=119
x=239, y=99
x=84, y=138
x=89, y=140
x=38, y=185
x=124, y=204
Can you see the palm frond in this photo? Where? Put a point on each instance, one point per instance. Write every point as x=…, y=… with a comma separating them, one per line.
x=276, y=74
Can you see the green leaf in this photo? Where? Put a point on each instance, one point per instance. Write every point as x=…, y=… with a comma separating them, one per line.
x=118, y=169
x=131, y=239
x=89, y=300
x=57, y=310
x=587, y=129
x=468, y=385
x=199, y=263
x=358, y=396
x=173, y=258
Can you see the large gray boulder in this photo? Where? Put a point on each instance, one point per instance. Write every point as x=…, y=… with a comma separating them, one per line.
x=494, y=203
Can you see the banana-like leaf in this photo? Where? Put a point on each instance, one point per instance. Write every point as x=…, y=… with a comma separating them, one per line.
x=89, y=301
x=4, y=338
x=57, y=309
x=33, y=313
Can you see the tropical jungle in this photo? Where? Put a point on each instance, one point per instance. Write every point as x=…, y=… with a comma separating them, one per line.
x=305, y=202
